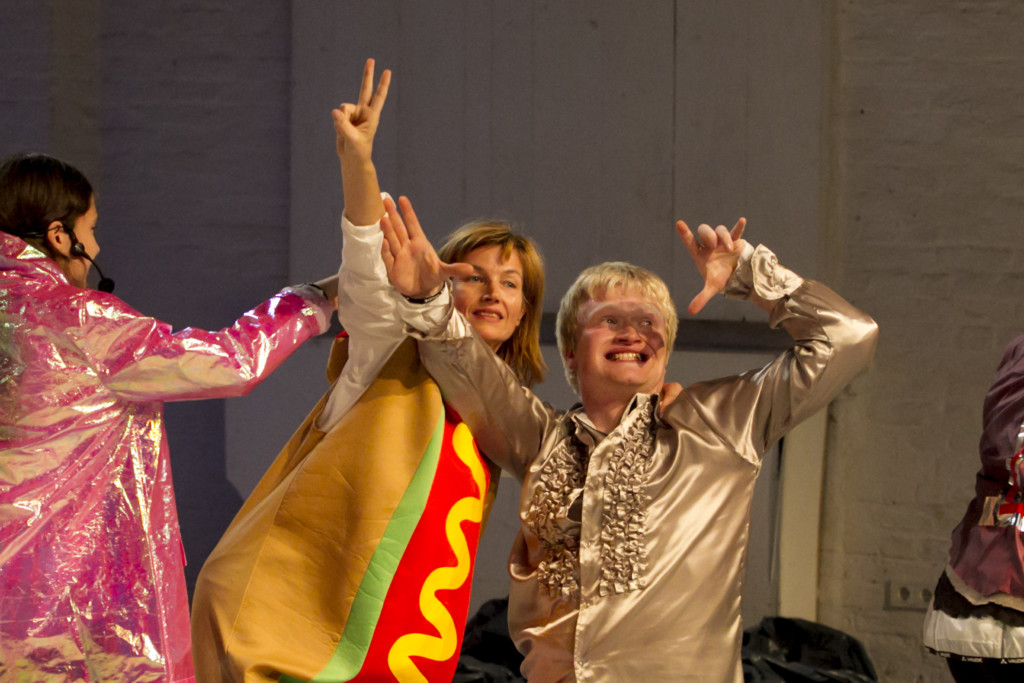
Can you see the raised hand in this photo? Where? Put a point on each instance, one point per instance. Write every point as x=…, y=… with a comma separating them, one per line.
x=413, y=266
x=355, y=125
x=670, y=391
x=716, y=253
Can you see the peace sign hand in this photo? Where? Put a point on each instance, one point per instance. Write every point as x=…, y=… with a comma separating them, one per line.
x=355, y=125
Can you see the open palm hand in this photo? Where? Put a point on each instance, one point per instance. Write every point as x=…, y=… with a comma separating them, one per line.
x=413, y=267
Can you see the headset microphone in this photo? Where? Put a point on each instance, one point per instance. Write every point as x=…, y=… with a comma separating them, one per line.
x=78, y=249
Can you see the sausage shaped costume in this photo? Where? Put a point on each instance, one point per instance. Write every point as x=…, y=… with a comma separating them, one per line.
x=630, y=557
x=352, y=559
x=91, y=580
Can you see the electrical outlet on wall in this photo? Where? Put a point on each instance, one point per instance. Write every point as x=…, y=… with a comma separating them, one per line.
x=907, y=595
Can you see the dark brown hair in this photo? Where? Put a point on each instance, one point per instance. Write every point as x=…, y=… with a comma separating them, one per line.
x=35, y=190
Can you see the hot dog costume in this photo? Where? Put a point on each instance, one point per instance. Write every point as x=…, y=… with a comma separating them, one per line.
x=352, y=559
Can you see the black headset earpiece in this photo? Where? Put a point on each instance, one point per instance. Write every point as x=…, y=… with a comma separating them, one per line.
x=78, y=249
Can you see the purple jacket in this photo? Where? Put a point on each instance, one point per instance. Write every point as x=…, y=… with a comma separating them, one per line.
x=991, y=559
x=91, y=580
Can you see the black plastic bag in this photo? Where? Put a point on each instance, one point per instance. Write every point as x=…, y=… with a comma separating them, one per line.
x=800, y=651
x=488, y=654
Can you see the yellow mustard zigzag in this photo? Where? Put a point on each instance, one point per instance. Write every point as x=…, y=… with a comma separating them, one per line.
x=442, y=646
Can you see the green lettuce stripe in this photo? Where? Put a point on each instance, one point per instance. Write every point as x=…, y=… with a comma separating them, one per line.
x=348, y=657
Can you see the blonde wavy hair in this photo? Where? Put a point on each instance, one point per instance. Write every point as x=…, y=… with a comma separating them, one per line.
x=593, y=283
x=521, y=351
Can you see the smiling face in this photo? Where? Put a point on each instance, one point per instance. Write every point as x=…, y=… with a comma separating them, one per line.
x=492, y=298
x=621, y=346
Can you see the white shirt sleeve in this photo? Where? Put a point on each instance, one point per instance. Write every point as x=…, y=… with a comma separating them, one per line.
x=367, y=311
x=375, y=316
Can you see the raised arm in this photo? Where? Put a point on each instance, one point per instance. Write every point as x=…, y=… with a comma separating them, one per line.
x=142, y=359
x=832, y=343
x=355, y=127
x=366, y=301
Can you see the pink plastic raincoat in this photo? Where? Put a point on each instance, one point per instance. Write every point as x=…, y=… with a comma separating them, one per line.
x=91, y=580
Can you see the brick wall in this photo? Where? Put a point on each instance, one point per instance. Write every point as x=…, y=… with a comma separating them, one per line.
x=928, y=134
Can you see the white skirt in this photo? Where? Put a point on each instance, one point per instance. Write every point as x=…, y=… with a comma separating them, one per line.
x=974, y=634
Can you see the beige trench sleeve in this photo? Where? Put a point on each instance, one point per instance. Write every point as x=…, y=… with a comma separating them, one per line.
x=508, y=421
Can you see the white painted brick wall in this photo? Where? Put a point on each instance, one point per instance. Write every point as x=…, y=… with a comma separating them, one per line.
x=929, y=142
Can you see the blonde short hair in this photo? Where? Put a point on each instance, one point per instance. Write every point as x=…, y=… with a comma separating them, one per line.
x=597, y=280
x=521, y=351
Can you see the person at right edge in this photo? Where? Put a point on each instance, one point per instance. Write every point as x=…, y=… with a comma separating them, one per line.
x=632, y=546
x=976, y=619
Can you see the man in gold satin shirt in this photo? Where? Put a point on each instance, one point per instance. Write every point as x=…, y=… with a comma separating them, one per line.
x=631, y=554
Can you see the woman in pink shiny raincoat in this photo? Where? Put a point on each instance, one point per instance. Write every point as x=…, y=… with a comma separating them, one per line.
x=91, y=580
